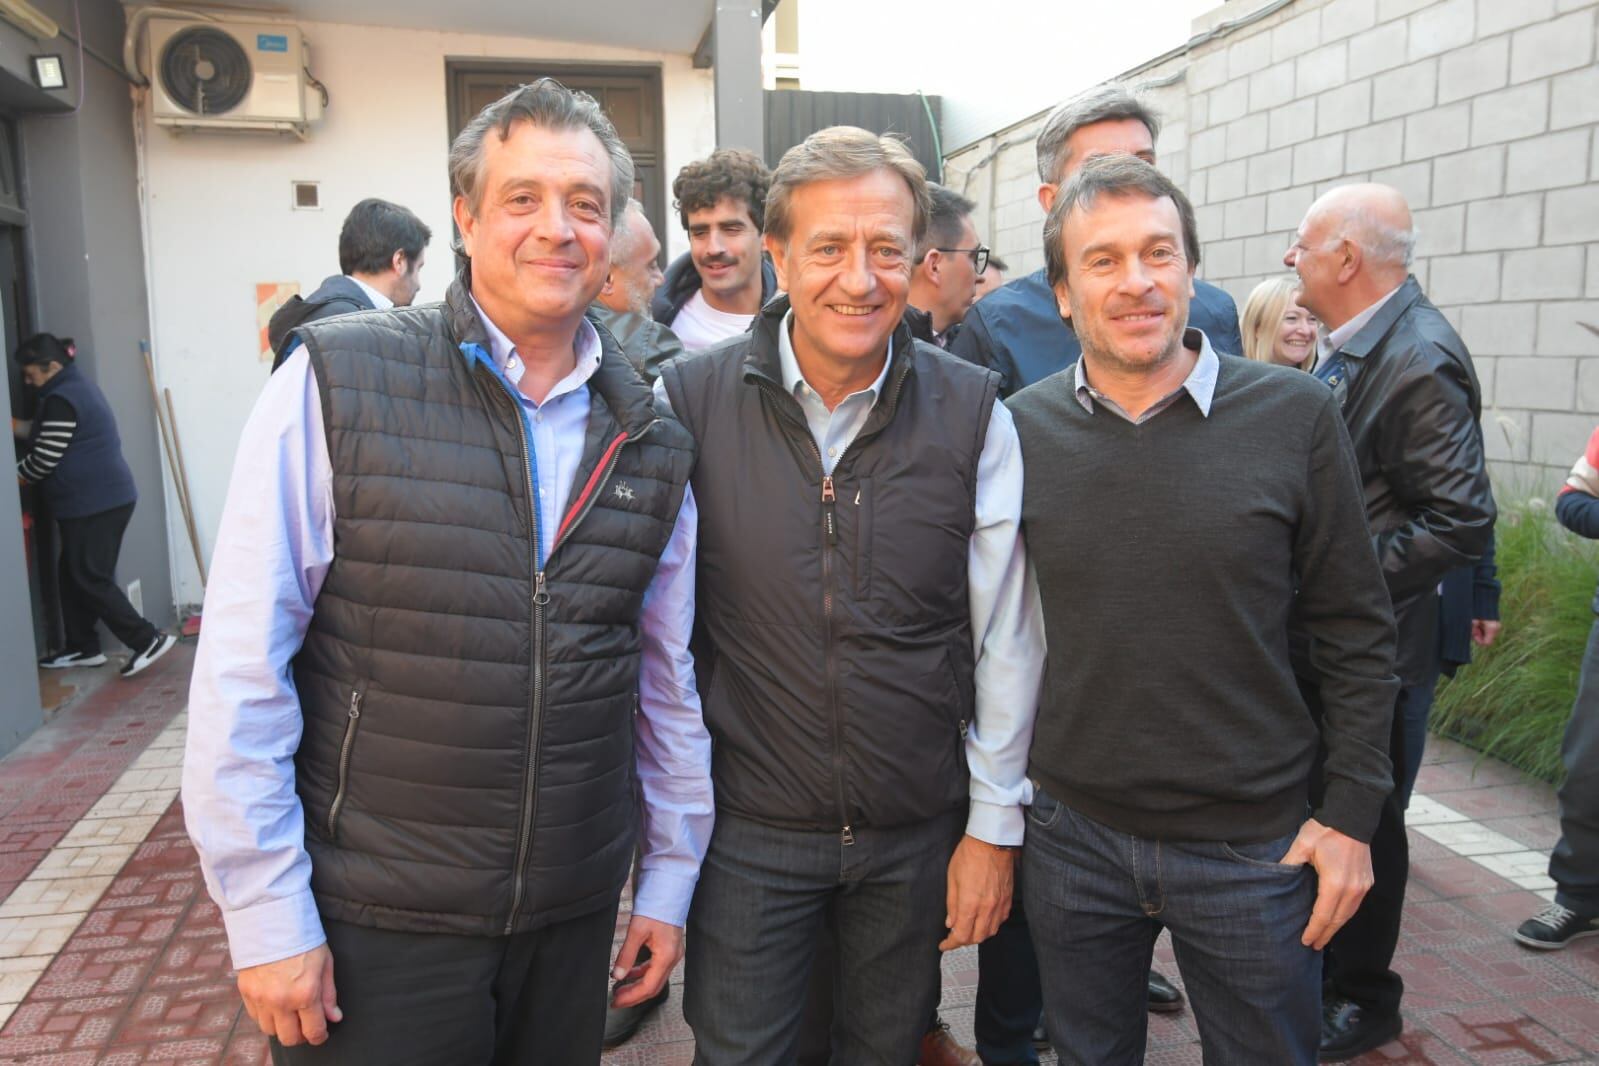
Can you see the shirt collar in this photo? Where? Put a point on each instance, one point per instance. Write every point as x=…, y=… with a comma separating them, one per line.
x=1200, y=383
x=379, y=301
x=1341, y=336
x=793, y=379
x=585, y=347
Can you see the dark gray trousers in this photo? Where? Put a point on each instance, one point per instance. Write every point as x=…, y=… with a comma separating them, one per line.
x=1574, y=865
x=426, y=999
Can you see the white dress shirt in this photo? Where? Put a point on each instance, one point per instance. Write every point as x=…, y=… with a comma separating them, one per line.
x=273, y=551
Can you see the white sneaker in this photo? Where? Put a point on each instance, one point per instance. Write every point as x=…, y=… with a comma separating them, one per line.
x=163, y=643
x=64, y=660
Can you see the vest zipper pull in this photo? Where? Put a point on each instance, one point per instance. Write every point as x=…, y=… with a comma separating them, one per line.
x=847, y=835
x=355, y=704
x=540, y=595
x=829, y=523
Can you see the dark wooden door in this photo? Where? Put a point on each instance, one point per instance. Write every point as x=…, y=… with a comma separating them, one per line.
x=631, y=96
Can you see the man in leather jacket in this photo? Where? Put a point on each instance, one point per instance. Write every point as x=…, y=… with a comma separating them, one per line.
x=1410, y=398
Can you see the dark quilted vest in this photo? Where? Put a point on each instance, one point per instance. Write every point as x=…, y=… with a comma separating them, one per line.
x=838, y=634
x=467, y=761
x=92, y=476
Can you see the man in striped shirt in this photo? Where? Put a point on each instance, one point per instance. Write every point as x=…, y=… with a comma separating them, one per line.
x=75, y=463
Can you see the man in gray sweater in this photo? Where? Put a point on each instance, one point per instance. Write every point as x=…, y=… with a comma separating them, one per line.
x=1178, y=509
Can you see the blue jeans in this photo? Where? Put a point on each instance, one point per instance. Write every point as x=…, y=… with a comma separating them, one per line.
x=763, y=898
x=1098, y=898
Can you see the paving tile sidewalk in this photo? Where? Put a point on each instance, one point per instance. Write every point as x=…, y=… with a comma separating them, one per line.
x=111, y=952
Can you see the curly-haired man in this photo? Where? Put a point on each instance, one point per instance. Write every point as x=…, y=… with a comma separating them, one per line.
x=713, y=292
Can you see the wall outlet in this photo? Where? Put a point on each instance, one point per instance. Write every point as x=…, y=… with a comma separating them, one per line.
x=136, y=596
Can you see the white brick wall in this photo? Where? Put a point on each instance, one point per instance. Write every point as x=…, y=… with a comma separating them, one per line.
x=1485, y=113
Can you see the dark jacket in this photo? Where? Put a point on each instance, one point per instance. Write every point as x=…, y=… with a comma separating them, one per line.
x=92, y=477
x=1579, y=512
x=1412, y=404
x=834, y=608
x=1018, y=332
x=920, y=323
x=646, y=343
x=683, y=281
x=466, y=764
x=337, y=295
x=1466, y=594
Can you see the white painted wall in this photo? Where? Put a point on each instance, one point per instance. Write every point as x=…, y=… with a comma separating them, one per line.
x=221, y=220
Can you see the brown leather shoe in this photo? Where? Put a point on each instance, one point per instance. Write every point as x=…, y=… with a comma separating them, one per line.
x=939, y=1048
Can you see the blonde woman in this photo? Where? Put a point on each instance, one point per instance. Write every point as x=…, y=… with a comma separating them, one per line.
x=1276, y=329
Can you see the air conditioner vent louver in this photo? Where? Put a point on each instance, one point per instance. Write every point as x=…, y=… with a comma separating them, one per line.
x=205, y=71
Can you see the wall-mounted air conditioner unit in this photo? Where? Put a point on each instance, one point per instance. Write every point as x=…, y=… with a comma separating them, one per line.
x=207, y=75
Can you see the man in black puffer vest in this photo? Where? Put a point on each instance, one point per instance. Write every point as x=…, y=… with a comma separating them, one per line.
x=872, y=659
x=455, y=566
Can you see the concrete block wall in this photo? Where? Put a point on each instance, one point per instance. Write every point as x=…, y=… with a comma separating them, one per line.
x=1484, y=112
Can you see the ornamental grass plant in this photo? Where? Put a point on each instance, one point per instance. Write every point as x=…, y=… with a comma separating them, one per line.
x=1513, y=701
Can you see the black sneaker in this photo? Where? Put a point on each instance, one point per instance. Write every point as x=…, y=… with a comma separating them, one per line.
x=1554, y=927
x=160, y=646
x=66, y=660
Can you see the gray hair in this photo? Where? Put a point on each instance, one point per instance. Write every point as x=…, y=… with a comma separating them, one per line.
x=1107, y=103
x=840, y=152
x=1380, y=241
x=624, y=234
x=549, y=105
x=1113, y=175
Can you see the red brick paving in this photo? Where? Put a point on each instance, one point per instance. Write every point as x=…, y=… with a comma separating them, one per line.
x=54, y=777
x=145, y=979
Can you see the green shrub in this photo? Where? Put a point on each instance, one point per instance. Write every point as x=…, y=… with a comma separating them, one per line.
x=1512, y=702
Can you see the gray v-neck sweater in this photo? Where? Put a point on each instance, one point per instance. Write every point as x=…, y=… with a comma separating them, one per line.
x=1168, y=556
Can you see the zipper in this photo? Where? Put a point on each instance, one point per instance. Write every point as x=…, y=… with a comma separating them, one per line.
x=846, y=833
x=539, y=598
x=350, y=727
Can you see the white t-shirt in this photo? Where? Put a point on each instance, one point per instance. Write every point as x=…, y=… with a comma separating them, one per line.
x=699, y=325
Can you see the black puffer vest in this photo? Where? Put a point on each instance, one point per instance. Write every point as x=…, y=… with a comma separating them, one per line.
x=837, y=632
x=467, y=760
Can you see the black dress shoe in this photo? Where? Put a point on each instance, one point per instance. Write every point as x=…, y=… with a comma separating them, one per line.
x=622, y=1022
x=1348, y=1030
x=1164, y=998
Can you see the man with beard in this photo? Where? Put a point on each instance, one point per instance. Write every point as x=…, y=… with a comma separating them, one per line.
x=623, y=306
x=713, y=291
x=1171, y=499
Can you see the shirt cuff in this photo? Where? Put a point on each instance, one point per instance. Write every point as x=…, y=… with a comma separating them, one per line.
x=274, y=930
x=663, y=896
x=994, y=824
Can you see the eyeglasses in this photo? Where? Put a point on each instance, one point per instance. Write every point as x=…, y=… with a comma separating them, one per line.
x=979, y=255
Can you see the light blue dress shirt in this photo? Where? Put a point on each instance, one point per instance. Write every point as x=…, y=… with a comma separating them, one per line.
x=273, y=551
x=1006, y=616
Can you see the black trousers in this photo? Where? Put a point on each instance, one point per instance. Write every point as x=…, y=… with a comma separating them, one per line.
x=430, y=999
x=1358, y=964
x=88, y=582
x=1574, y=865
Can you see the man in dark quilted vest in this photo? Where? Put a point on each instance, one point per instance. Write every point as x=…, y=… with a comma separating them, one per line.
x=446, y=647
x=871, y=657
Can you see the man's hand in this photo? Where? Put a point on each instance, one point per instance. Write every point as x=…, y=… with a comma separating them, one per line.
x=637, y=983
x=292, y=999
x=981, y=879
x=1343, y=870
x=1484, y=631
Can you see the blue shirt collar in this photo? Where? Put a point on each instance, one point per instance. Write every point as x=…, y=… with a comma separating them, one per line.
x=585, y=347
x=793, y=379
x=1200, y=383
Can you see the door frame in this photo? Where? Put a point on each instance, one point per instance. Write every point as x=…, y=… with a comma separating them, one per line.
x=457, y=70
